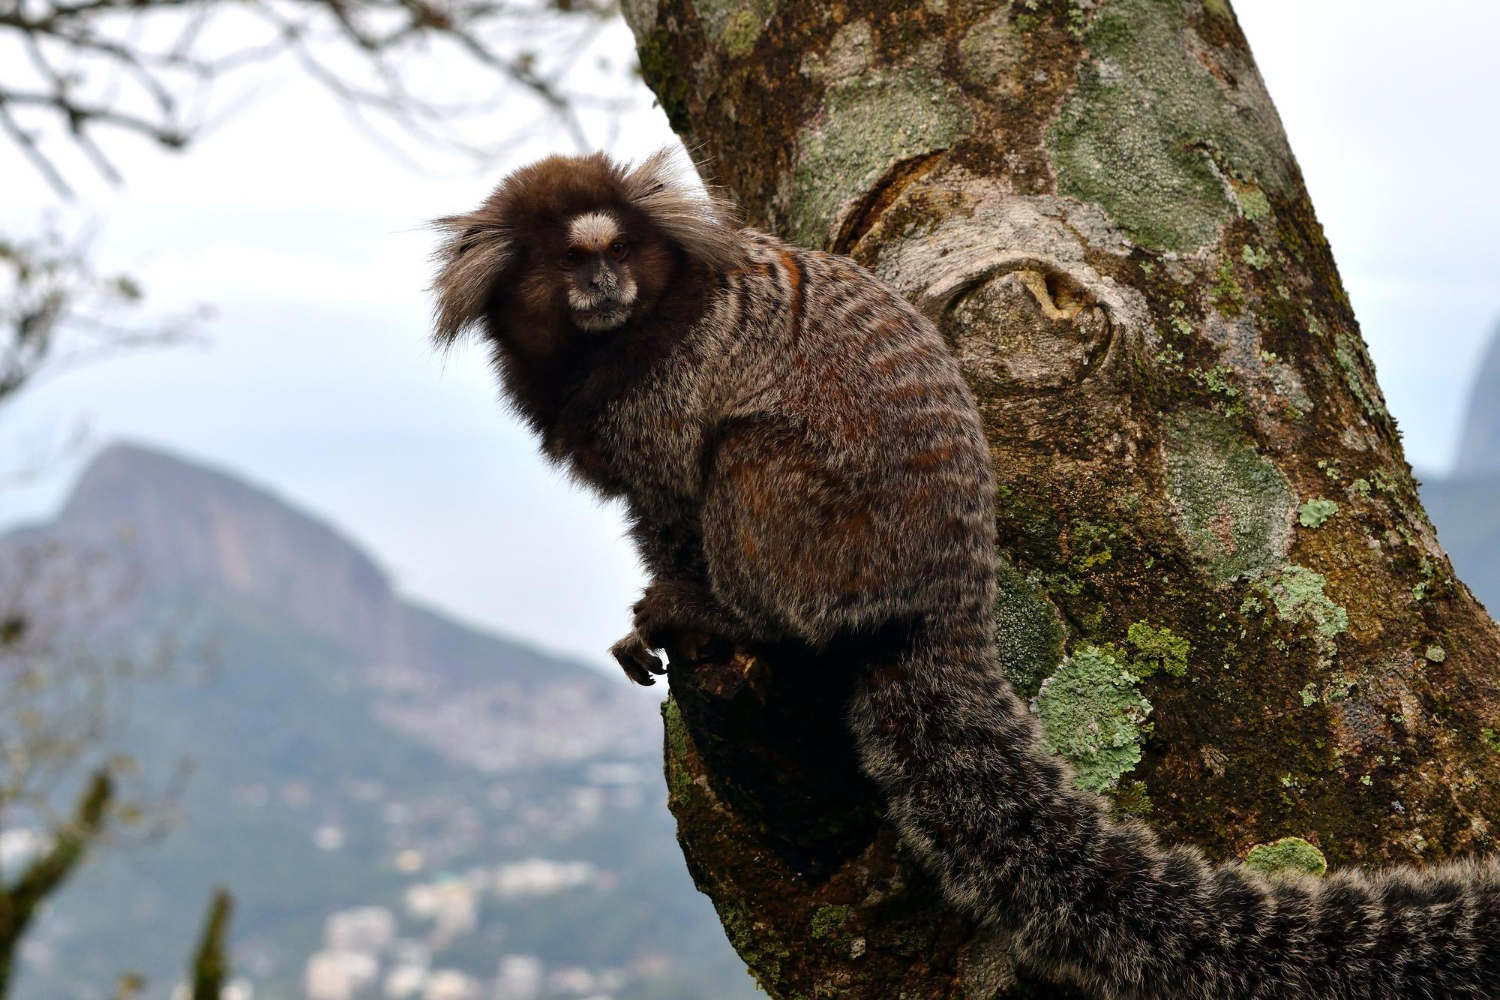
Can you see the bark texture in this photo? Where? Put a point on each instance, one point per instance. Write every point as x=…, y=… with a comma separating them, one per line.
x=1218, y=583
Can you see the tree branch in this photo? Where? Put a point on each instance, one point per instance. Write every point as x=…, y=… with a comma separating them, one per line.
x=114, y=79
x=42, y=877
x=19, y=901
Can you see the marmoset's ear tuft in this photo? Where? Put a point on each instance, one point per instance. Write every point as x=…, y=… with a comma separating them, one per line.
x=696, y=219
x=471, y=261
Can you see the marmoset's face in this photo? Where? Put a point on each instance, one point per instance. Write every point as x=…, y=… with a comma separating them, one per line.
x=598, y=271
x=573, y=254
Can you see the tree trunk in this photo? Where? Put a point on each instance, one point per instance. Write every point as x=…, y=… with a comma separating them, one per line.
x=1218, y=584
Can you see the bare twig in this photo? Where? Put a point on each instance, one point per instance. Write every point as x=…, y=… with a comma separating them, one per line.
x=94, y=66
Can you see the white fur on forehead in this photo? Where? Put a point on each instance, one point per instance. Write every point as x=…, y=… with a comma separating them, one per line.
x=695, y=219
x=593, y=230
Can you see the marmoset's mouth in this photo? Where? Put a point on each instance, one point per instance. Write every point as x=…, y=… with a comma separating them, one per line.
x=601, y=310
x=605, y=316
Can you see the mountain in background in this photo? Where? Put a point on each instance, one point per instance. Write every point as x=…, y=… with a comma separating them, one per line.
x=187, y=533
x=1479, y=447
x=1465, y=506
x=403, y=807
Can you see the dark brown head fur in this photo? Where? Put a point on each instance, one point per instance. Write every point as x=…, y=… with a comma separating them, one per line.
x=575, y=261
x=514, y=244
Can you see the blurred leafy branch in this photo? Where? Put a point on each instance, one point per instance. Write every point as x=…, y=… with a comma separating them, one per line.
x=209, y=968
x=48, y=285
x=45, y=872
x=63, y=678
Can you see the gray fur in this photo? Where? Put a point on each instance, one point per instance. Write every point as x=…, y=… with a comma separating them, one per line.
x=807, y=463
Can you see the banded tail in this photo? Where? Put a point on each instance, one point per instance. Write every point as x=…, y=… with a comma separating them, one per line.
x=1102, y=903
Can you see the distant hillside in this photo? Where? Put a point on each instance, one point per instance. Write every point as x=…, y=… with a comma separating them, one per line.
x=1467, y=515
x=395, y=799
x=1479, y=447
x=189, y=534
x=1465, y=506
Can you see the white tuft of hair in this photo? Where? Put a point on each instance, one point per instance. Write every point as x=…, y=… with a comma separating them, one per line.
x=594, y=230
x=695, y=218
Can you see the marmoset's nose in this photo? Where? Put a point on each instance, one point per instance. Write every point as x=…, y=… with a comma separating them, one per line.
x=602, y=279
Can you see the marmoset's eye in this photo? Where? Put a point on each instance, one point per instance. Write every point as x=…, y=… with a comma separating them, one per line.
x=618, y=249
x=570, y=258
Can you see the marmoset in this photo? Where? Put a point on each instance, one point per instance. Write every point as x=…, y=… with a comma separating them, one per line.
x=801, y=460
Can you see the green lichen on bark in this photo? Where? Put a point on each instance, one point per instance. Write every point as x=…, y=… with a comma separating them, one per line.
x=828, y=919
x=1299, y=597
x=740, y=33
x=1289, y=855
x=1233, y=505
x=1156, y=649
x=1093, y=713
x=679, y=781
x=1252, y=201
x=1029, y=635
x=735, y=24
x=1313, y=513
x=990, y=50
x=755, y=941
x=1151, y=134
x=1226, y=291
x=869, y=124
x=660, y=71
x=716, y=15
x=1353, y=361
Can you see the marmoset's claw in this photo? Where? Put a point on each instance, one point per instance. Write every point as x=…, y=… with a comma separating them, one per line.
x=637, y=660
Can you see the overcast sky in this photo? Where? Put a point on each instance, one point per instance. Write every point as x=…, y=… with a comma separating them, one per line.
x=317, y=381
